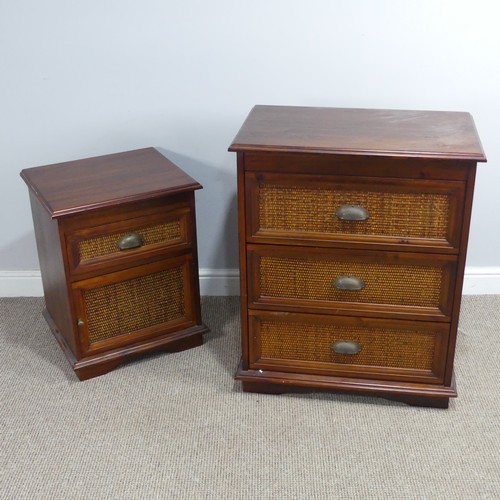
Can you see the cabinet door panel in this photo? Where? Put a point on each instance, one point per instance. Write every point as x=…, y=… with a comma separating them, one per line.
x=124, y=307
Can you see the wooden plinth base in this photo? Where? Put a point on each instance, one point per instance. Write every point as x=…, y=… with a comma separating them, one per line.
x=270, y=382
x=102, y=363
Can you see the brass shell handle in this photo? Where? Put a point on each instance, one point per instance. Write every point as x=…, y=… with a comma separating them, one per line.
x=132, y=240
x=346, y=347
x=352, y=212
x=348, y=283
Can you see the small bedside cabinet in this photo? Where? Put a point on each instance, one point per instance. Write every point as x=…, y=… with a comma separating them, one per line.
x=353, y=235
x=116, y=241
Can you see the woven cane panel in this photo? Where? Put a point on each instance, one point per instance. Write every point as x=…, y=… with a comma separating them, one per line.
x=102, y=245
x=312, y=210
x=310, y=279
x=134, y=304
x=380, y=347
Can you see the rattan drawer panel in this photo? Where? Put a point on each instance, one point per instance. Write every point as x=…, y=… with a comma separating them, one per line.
x=400, y=211
x=403, y=283
x=156, y=294
x=304, y=343
x=97, y=246
x=162, y=232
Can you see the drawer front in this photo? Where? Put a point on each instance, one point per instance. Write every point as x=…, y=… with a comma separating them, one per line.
x=123, y=241
x=128, y=306
x=311, y=343
x=405, y=212
x=385, y=283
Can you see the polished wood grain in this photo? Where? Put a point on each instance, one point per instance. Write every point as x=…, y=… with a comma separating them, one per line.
x=104, y=181
x=399, y=133
x=99, y=198
x=457, y=299
x=357, y=165
x=243, y=258
x=303, y=153
x=55, y=275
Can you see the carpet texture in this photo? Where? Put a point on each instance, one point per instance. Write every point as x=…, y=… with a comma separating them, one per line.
x=177, y=426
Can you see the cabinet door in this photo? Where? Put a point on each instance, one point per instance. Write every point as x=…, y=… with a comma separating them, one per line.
x=125, y=307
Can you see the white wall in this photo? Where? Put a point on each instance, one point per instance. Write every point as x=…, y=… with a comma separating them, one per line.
x=85, y=78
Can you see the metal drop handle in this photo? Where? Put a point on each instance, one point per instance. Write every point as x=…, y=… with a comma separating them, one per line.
x=346, y=347
x=352, y=212
x=129, y=241
x=348, y=283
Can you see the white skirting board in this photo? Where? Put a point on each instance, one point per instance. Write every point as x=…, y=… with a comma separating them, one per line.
x=478, y=281
x=29, y=283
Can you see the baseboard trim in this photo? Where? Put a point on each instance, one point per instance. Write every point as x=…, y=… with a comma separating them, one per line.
x=477, y=281
x=481, y=281
x=29, y=283
x=20, y=284
x=219, y=282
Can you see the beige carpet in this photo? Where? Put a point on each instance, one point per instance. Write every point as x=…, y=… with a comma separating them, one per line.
x=176, y=426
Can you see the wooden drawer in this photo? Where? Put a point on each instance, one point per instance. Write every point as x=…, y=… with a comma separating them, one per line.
x=94, y=248
x=409, y=214
x=127, y=306
x=388, y=349
x=351, y=282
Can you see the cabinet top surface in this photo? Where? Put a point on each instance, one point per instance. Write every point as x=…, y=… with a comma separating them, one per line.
x=426, y=134
x=103, y=181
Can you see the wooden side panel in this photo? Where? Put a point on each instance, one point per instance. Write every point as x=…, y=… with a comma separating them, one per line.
x=242, y=217
x=54, y=273
x=193, y=286
x=457, y=300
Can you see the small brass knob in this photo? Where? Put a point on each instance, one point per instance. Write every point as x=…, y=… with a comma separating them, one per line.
x=80, y=323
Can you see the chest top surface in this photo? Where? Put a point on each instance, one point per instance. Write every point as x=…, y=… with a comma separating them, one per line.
x=103, y=181
x=377, y=132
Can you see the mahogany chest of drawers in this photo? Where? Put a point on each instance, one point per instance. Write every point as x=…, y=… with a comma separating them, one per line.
x=116, y=241
x=353, y=230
